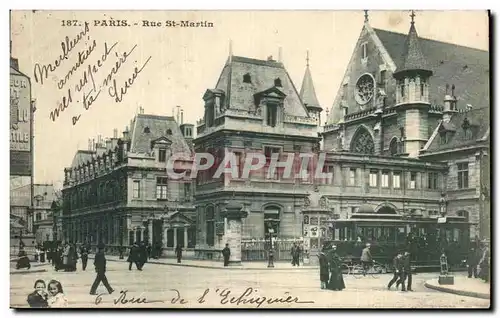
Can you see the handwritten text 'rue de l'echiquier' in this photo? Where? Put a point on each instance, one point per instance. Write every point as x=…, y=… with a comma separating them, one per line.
x=87, y=86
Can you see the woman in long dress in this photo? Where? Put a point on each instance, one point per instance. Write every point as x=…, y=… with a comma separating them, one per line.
x=336, y=279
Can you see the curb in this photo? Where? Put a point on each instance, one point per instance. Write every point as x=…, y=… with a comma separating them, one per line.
x=215, y=267
x=28, y=271
x=457, y=292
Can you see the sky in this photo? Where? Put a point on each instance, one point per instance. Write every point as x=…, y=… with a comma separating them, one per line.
x=176, y=65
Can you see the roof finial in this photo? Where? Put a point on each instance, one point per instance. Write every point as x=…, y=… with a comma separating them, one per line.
x=280, y=55
x=230, y=50
x=412, y=16
x=366, y=16
x=307, y=58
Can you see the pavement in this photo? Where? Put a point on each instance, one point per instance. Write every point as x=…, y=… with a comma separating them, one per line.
x=159, y=286
x=471, y=287
x=35, y=268
x=209, y=264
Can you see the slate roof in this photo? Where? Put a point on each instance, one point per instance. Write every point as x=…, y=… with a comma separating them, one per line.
x=240, y=95
x=158, y=127
x=81, y=157
x=413, y=57
x=466, y=67
x=476, y=117
x=307, y=91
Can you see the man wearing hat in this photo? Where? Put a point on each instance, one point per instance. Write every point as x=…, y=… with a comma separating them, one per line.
x=398, y=270
x=100, y=268
x=406, y=272
x=366, y=258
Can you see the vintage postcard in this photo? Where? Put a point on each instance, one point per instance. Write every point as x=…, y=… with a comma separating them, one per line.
x=249, y=159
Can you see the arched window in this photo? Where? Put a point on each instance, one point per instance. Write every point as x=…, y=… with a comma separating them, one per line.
x=272, y=219
x=393, y=146
x=386, y=210
x=210, y=225
x=362, y=142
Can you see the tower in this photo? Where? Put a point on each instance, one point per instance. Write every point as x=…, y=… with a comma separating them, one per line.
x=308, y=94
x=412, y=95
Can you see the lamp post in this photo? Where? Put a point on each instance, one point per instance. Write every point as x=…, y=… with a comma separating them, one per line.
x=270, y=263
x=444, y=277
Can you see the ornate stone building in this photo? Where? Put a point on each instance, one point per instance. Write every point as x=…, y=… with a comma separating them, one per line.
x=118, y=192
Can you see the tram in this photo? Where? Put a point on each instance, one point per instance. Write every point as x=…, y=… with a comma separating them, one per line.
x=426, y=238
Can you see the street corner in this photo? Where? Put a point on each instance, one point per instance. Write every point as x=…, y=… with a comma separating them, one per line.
x=471, y=287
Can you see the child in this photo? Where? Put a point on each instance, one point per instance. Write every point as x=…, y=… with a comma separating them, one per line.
x=56, y=295
x=38, y=298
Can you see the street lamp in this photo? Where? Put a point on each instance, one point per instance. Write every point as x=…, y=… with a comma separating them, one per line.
x=270, y=263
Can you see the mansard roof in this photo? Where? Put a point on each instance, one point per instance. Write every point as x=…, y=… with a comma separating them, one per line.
x=467, y=68
x=240, y=95
x=159, y=126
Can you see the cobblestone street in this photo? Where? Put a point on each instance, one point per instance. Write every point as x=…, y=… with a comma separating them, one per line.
x=158, y=284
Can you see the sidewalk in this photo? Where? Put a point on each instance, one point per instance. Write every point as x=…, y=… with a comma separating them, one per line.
x=35, y=268
x=472, y=287
x=216, y=264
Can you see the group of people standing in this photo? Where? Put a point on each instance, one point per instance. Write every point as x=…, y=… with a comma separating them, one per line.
x=330, y=268
x=402, y=272
x=138, y=255
x=479, y=257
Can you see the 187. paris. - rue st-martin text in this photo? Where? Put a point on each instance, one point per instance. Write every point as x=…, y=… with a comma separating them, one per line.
x=141, y=23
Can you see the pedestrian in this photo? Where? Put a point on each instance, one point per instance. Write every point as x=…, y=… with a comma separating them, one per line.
x=226, y=252
x=100, y=268
x=149, y=250
x=406, y=274
x=484, y=264
x=121, y=250
x=472, y=261
x=366, y=258
x=336, y=278
x=142, y=255
x=295, y=252
x=323, y=267
x=133, y=257
x=397, y=264
x=84, y=254
x=178, y=253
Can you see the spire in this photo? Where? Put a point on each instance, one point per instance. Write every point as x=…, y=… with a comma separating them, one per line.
x=366, y=16
x=414, y=59
x=230, y=51
x=307, y=91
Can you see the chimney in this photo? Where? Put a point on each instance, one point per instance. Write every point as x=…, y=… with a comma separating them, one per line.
x=125, y=133
x=108, y=144
x=450, y=104
x=89, y=145
x=270, y=58
x=182, y=117
x=93, y=144
x=280, y=55
x=468, y=107
x=115, y=133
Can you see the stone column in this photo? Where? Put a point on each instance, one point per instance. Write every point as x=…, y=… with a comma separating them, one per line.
x=234, y=212
x=150, y=231
x=185, y=237
x=175, y=237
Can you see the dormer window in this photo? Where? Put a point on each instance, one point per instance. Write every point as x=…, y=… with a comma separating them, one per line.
x=467, y=129
x=277, y=82
x=162, y=155
x=147, y=130
x=247, y=78
x=272, y=114
x=169, y=132
x=443, y=138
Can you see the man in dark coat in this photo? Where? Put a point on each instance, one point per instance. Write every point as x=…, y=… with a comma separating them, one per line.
x=398, y=270
x=133, y=257
x=472, y=262
x=336, y=280
x=406, y=274
x=84, y=254
x=226, y=252
x=178, y=253
x=323, y=267
x=295, y=254
x=142, y=255
x=100, y=268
